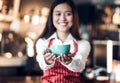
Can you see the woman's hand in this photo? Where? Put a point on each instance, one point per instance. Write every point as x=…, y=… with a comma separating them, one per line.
x=65, y=59
x=49, y=57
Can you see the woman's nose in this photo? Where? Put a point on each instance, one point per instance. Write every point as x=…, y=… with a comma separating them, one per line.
x=62, y=17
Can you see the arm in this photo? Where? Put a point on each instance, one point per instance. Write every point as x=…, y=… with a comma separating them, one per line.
x=41, y=46
x=79, y=60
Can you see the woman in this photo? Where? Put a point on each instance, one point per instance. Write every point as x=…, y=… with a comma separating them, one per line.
x=62, y=28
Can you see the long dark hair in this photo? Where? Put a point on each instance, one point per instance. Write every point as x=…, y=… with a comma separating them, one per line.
x=50, y=28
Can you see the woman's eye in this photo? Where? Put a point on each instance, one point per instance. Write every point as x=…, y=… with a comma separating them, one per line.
x=57, y=14
x=68, y=14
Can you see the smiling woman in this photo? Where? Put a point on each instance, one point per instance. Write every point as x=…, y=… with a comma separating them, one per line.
x=62, y=28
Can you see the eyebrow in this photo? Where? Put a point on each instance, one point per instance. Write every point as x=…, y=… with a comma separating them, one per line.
x=60, y=11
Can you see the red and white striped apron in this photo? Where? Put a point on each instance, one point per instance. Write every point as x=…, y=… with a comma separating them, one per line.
x=59, y=73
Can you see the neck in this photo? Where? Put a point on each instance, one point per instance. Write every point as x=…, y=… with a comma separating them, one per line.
x=62, y=36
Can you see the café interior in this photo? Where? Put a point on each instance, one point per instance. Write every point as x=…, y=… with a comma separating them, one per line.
x=23, y=21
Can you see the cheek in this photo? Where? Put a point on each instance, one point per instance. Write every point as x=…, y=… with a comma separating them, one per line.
x=71, y=20
x=54, y=20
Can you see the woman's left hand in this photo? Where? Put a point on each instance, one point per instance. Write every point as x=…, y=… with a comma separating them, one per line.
x=65, y=59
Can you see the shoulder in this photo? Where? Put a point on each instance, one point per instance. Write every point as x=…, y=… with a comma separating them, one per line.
x=41, y=41
x=84, y=43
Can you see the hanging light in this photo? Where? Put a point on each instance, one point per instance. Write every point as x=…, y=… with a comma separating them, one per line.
x=44, y=11
x=35, y=19
x=116, y=16
x=27, y=18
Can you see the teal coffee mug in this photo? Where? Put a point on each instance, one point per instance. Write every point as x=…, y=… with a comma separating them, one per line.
x=57, y=50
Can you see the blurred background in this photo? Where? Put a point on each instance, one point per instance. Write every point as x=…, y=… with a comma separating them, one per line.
x=23, y=21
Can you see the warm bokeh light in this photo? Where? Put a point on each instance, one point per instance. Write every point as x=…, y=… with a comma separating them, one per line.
x=116, y=16
x=8, y=55
x=31, y=35
x=43, y=19
x=44, y=11
x=36, y=19
x=30, y=47
x=27, y=18
x=20, y=54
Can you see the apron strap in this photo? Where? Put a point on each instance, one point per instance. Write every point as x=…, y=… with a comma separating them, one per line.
x=75, y=48
x=50, y=42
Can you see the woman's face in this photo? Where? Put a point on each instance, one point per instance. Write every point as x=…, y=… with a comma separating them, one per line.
x=62, y=17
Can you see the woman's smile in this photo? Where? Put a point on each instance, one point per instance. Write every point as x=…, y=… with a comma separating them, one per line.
x=62, y=23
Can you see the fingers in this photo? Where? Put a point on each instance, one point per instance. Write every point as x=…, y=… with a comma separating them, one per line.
x=49, y=58
x=48, y=51
x=70, y=55
x=65, y=59
x=44, y=52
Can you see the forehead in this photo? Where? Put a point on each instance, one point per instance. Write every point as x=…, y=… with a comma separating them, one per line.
x=62, y=7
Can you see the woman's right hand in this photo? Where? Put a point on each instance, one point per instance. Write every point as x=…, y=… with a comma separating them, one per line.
x=49, y=57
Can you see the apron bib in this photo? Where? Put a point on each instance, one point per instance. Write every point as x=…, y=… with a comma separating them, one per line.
x=59, y=73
